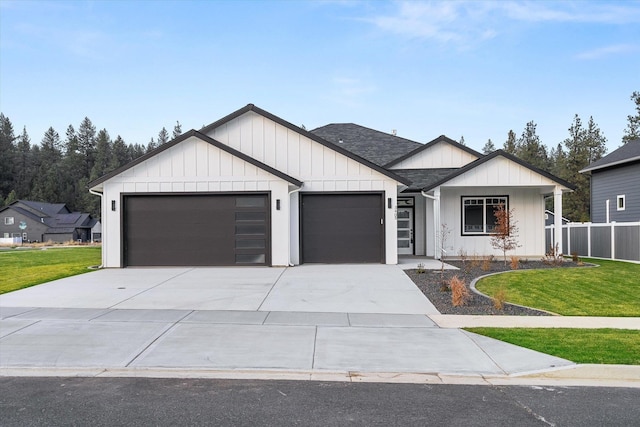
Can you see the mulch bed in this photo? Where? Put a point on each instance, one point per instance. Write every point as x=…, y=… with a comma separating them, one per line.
x=430, y=283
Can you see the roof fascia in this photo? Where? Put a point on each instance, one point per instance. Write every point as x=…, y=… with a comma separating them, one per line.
x=610, y=165
x=441, y=138
x=507, y=156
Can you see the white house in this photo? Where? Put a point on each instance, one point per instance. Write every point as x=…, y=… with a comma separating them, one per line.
x=253, y=189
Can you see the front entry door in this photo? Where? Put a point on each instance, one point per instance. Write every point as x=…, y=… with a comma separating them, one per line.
x=405, y=231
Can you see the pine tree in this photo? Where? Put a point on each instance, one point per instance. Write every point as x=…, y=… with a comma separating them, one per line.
x=23, y=166
x=510, y=144
x=73, y=168
x=120, y=153
x=462, y=140
x=7, y=153
x=177, y=130
x=103, y=155
x=87, y=144
x=530, y=149
x=583, y=146
x=151, y=145
x=163, y=136
x=47, y=185
x=633, y=122
x=488, y=147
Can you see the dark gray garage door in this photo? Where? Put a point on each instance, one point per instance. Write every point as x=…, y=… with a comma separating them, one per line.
x=342, y=228
x=196, y=230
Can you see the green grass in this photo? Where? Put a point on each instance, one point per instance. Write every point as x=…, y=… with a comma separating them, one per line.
x=601, y=346
x=613, y=289
x=23, y=268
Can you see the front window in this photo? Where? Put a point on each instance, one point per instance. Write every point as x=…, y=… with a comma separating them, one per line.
x=478, y=214
x=621, y=202
x=8, y=220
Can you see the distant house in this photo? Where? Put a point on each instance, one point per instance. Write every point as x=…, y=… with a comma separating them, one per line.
x=254, y=189
x=615, y=185
x=42, y=222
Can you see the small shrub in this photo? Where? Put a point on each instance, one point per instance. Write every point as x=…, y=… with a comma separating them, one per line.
x=421, y=269
x=515, y=262
x=499, y=298
x=486, y=264
x=574, y=257
x=553, y=256
x=459, y=292
x=475, y=261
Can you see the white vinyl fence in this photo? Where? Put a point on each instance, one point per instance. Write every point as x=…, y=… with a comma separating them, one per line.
x=614, y=240
x=10, y=240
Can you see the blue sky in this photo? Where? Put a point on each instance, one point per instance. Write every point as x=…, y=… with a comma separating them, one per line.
x=472, y=69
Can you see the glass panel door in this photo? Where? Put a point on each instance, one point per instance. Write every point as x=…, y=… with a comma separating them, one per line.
x=405, y=231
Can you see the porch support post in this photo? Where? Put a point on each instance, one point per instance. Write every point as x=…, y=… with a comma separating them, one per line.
x=436, y=223
x=557, y=217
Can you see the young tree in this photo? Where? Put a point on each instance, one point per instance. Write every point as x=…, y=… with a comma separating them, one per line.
x=177, y=130
x=505, y=233
x=633, y=122
x=488, y=147
x=510, y=145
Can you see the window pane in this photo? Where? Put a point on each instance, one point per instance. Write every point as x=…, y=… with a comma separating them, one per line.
x=403, y=214
x=8, y=220
x=473, y=219
x=403, y=224
x=250, y=229
x=403, y=243
x=250, y=216
x=250, y=244
x=250, y=202
x=250, y=259
x=404, y=234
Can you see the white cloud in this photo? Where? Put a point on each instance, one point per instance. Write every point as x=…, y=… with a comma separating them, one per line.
x=601, y=52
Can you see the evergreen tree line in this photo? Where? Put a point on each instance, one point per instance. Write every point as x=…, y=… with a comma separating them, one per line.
x=58, y=170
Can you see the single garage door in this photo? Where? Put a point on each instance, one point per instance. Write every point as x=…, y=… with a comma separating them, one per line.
x=196, y=230
x=342, y=228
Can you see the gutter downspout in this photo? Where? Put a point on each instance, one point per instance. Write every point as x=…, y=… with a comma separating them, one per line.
x=95, y=193
x=289, y=224
x=436, y=219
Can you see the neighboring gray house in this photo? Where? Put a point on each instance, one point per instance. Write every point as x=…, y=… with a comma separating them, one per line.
x=43, y=222
x=615, y=185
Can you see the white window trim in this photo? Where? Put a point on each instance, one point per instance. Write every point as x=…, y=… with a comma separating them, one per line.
x=9, y=220
x=621, y=198
x=484, y=232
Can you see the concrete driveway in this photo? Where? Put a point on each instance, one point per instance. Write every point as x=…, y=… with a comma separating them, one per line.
x=316, y=319
x=308, y=288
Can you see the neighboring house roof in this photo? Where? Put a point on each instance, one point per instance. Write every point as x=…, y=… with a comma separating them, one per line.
x=441, y=138
x=342, y=150
x=491, y=156
x=56, y=216
x=377, y=147
x=205, y=138
x=422, y=178
x=629, y=152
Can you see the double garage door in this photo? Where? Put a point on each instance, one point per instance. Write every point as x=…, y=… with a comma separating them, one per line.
x=235, y=229
x=196, y=230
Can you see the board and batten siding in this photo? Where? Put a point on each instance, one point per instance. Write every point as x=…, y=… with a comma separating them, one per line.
x=528, y=205
x=608, y=185
x=189, y=167
x=321, y=168
x=440, y=155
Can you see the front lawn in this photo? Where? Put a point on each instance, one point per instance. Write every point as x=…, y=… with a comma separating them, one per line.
x=613, y=289
x=601, y=346
x=23, y=268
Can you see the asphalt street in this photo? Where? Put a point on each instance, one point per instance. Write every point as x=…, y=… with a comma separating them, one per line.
x=193, y=402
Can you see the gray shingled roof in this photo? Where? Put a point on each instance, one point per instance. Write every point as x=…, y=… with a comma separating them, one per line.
x=378, y=147
x=49, y=209
x=421, y=178
x=629, y=152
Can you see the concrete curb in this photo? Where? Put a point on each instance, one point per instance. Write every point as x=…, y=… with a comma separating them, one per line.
x=577, y=375
x=577, y=322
